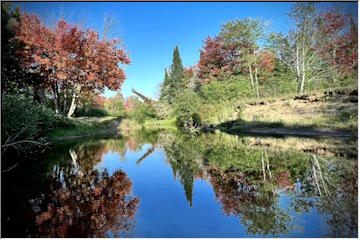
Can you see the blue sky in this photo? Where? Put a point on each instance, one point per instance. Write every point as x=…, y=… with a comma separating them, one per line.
x=150, y=31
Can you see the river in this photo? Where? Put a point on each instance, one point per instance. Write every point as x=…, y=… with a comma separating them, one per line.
x=168, y=184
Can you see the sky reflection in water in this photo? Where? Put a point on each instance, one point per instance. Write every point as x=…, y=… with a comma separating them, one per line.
x=164, y=184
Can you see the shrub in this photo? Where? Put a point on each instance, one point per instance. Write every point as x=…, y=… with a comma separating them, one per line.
x=90, y=112
x=163, y=109
x=142, y=111
x=186, y=106
x=114, y=106
x=232, y=88
x=24, y=119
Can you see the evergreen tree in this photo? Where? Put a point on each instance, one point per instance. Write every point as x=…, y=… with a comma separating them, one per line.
x=165, y=87
x=176, y=76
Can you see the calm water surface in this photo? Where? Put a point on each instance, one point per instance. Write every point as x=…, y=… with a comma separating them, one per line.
x=164, y=184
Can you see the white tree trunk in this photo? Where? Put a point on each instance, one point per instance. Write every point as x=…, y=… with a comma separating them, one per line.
x=56, y=97
x=303, y=71
x=77, y=89
x=251, y=76
x=257, y=82
x=65, y=101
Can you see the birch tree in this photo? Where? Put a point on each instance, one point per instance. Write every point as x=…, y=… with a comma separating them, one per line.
x=245, y=35
x=298, y=50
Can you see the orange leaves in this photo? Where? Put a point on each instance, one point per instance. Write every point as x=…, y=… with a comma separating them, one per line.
x=215, y=58
x=72, y=54
x=266, y=61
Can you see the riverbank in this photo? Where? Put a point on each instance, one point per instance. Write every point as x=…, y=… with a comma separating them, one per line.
x=109, y=125
x=318, y=114
x=86, y=127
x=331, y=113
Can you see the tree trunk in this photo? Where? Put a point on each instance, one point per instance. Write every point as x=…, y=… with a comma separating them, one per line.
x=39, y=93
x=257, y=82
x=303, y=71
x=75, y=96
x=297, y=64
x=56, y=97
x=65, y=101
x=251, y=76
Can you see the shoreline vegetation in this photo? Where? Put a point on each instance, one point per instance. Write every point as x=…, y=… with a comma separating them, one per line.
x=341, y=127
x=301, y=83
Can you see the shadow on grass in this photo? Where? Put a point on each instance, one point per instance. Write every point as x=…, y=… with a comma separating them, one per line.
x=279, y=129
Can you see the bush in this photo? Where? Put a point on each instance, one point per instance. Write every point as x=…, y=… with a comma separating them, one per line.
x=186, y=107
x=232, y=88
x=24, y=119
x=90, y=112
x=114, y=106
x=216, y=113
x=142, y=111
x=163, y=109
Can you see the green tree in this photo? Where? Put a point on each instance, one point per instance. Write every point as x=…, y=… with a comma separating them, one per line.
x=186, y=107
x=245, y=35
x=115, y=105
x=164, y=94
x=176, y=76
x=11, y=74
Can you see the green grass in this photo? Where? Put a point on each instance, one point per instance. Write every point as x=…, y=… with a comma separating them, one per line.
x=84, y=126
x=161, y=124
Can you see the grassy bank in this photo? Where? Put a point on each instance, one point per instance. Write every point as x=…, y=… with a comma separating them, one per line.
x=86, y=126
x=169, y=124
x=332, y=109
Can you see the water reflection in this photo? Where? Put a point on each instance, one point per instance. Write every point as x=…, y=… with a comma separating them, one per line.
x=83, y=202
x=266, y=189
x=249, y=182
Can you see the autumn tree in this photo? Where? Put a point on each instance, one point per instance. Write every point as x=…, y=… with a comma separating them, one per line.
x=338, y=42
x=69, y=58
x=190, y=77
x=245, y=35
x=216, y=58
x=130, y=103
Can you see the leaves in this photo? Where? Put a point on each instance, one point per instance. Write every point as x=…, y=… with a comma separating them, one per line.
x=70, y=57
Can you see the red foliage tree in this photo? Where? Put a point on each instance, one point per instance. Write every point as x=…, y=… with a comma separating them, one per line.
x=339, y=43
x=100, y=100
x=215, y=58
x=72, y=59
x=130, y=103
x=266, y=61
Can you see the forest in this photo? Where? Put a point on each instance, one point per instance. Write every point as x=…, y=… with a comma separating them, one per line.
x=54, y=74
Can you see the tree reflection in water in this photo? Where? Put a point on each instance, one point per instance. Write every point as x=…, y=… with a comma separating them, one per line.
x=84, y=202
x=248, y=181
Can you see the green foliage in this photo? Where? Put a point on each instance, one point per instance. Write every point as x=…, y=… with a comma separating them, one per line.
x=90, y=112
x=24, y=119
x=279, y=82
x=12, y=80
x=163, y=109
x=142, y=111
x=186, y=107
x=174, y=82
x=115, y=106
x=169, y=124
x=165, y=87
x=234, y=87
